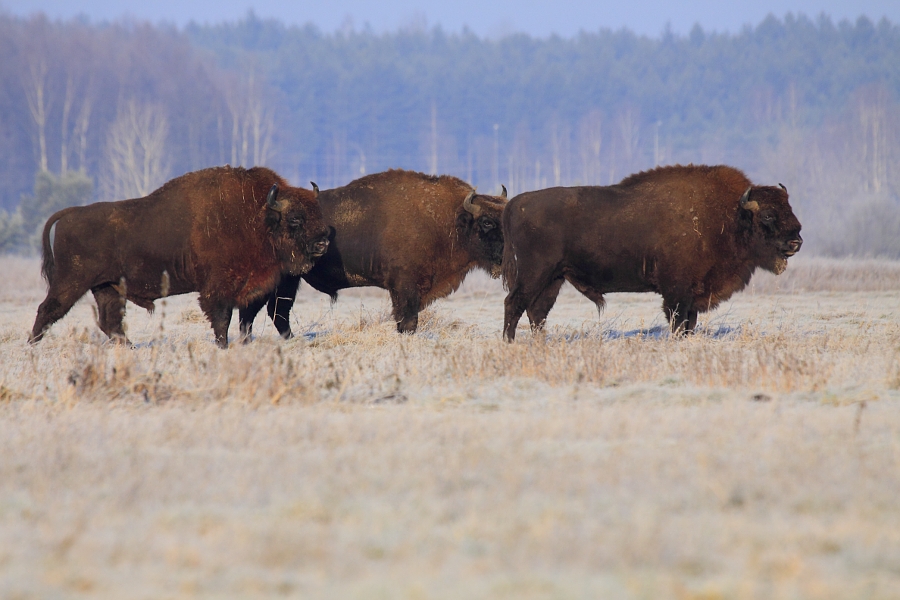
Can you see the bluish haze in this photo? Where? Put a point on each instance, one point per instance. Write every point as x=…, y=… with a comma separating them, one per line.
x=496, y=18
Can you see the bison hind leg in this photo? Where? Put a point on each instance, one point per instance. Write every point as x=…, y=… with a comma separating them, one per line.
x=54, y=307
x=280, y=305
x=517, y=301
x=540, y=307
x=535, y=294
x=681, y=314
x=247, y=314
x=110, y=312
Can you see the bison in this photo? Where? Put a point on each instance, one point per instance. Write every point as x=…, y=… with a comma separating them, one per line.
x=415, y=235
x=227, y=233
x=693, y=234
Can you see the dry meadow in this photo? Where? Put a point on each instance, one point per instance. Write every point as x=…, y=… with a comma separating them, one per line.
x=603, y=459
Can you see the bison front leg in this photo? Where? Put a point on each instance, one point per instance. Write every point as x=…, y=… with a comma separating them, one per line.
x=681, y=315
x=406, y=302
x=110, y=312
x=219, y=315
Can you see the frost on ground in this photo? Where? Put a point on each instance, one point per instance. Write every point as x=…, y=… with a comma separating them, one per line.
x=602, y=458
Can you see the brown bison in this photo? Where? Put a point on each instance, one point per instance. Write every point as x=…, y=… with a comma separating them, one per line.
x=692, y=234
x=228, y=233
x=415, y=235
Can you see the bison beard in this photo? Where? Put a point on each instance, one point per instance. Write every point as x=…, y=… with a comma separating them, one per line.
x=693, y=234
x=227, y=233
x=415, y=235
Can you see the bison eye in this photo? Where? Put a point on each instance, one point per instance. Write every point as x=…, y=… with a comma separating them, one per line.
x=295, y=223
x=487, y=225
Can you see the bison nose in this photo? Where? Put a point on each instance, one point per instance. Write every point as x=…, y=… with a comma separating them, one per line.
x=319, y=248
x=794, y=245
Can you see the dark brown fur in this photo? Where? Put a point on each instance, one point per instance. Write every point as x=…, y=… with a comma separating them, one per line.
x=211, y=231
x=402, y=231
x=678, y=231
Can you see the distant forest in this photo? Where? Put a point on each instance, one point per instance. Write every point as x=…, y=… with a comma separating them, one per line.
x=109, y=111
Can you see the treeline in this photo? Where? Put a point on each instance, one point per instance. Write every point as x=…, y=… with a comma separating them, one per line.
x=809, y=103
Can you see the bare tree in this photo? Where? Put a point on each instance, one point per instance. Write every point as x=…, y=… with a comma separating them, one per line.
x=630, y=132
x=252, y=119
x=38, y=97
x=137, y=161
x=872, y=111
x=591, y=143
x=434, y=139
x=82, y=123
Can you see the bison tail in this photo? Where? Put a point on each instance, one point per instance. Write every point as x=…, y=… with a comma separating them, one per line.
x=48, y=264
x=509, y=268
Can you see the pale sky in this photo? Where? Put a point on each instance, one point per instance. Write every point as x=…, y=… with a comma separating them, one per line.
x=493, y=18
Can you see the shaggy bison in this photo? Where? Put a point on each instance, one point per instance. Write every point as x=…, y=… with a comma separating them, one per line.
x=693, y=234
x=228, y=233
x=415, y=235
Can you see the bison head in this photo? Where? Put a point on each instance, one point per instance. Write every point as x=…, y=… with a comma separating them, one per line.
x=297, y=227
x=773, y=227
x=478, y=228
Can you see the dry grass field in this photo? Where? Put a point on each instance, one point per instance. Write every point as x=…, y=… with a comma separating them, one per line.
x=757, y=459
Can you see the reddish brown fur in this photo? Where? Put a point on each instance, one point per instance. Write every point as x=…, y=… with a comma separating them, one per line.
x=210, y=231
x=403, y=231
x=679, y=231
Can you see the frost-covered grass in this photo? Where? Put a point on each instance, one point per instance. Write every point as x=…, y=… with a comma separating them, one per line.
x=602, y=459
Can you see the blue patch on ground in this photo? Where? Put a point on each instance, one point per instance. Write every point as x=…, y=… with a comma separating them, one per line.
x=659, y=332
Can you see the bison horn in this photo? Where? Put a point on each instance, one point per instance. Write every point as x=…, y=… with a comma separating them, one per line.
x=745, y=201
x=272, y=198
x=781, y=185
x=503, y=194
x=315, y=188
x=470, y=206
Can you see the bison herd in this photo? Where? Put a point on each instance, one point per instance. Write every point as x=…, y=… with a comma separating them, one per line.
x=244, y=238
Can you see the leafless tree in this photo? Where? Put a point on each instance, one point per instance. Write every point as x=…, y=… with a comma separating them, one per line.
x=136, y=151
x=252, y=119
x=589, y=147
x=38, y=97
x=630, y=133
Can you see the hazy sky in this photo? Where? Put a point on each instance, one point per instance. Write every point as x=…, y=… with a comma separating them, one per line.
x=493, y=18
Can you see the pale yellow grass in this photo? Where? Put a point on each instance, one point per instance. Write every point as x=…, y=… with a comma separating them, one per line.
x=600, y=460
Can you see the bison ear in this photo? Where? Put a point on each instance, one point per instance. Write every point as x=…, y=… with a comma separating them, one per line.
x=315, y=188
x=746, y=203
x=503, y=195
x=272, y=199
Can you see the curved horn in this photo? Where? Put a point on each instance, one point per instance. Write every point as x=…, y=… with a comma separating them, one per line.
x=470, y=206
x=272, y=198
x=315, y=188
x=746, y=203
x=781, y=185
x=503, y=195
